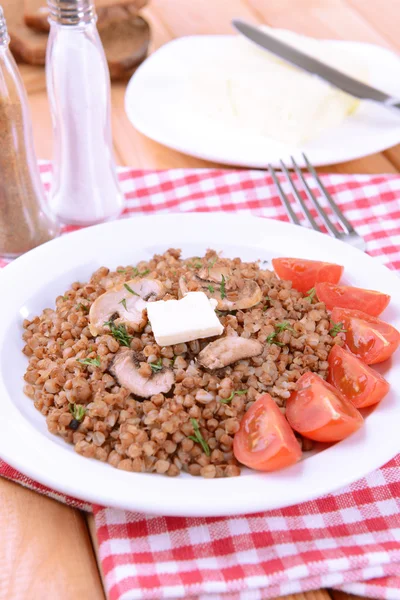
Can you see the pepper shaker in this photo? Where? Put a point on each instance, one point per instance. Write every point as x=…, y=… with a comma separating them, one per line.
x=25, y=221
x=85, y=187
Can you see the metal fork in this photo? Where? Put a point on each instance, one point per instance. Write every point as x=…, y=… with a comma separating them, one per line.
x=346, y=234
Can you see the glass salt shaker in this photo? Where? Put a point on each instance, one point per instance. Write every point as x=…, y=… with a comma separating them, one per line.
x=85, y=187
x=25, y=221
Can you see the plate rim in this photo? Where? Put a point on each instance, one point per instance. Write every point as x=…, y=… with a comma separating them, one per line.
x=217, y=486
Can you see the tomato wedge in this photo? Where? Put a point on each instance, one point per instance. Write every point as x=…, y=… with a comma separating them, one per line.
x=265, y=441
x=346, y=296
x=304, y=274
x=359, y=383
x=320, y=412
x=367, y=337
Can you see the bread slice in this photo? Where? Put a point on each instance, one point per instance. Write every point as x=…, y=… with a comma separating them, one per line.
x=36, y=12
x=26, y=45
x=125, y=38
x=126, y=44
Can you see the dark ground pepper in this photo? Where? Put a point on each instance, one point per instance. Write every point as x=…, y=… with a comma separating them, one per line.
x=24, y=221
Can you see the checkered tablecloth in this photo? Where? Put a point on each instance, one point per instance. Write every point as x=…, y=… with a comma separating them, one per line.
x=349, y=540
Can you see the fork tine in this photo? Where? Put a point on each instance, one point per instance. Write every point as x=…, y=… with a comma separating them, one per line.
x=284, y=199
x=299, y=198
x=341, y=218
x=314, y=200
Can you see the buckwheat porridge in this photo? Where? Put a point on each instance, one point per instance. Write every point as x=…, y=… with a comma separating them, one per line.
x=104, y=384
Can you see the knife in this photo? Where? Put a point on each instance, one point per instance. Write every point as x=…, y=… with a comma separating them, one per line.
x=314, y=66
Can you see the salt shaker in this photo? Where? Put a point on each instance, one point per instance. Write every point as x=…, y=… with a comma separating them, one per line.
x=85, y=187
x=25, y=221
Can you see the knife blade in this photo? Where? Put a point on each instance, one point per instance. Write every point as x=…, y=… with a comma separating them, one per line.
x=313, y=65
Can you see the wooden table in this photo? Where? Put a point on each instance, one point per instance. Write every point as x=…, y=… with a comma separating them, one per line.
x=48, y=550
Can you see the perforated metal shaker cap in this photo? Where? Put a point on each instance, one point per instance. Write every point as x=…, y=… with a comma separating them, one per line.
x=71, y=12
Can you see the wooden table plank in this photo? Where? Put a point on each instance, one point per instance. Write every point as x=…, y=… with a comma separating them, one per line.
x=375, y=163
x=383, y=17
x=328, y=19
x=193, y=18
x=336, y=595
x=45, y=549
x=313, y=595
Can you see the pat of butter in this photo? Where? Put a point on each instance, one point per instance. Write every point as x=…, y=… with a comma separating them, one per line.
x=190, y=318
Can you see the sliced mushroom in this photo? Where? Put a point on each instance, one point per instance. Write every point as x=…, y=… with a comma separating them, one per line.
x=246, y=297
x=215, y=274
x=125, y=368
x=228, y=350
x=127, y=300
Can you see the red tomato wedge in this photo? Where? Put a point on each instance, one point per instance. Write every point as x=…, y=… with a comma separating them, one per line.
x=359, y=383
x=345, y=296
x=265, y=441
x=369, y=338
x=320, y=412
x=304, y=274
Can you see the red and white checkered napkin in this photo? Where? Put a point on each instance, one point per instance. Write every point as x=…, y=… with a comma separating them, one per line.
x=349, y=540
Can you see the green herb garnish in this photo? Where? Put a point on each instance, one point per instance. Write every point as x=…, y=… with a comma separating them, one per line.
x=235, y=393
x=121, y=270
x=78, y=411
x=336, y=328
x=64, y=297
x=120, y=333
x=222, y=288
x=284, y=326
x=130, y=290
x=310, y=294
x=90, y=361
x=137, y=274
x=198, y=438
x=195, y=265
x=268, y=305
x=83, y=307
x=271, y=339
x=155, y=367
x=123, y=302
x=211, y=289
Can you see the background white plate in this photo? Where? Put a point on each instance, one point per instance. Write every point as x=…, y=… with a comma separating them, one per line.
x=32, y=283
x=155, y=105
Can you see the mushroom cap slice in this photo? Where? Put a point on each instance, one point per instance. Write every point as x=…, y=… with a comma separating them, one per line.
x=125, y=368
x=227, y=350
x=246, y=297
x=127, y=305
x=215, y=274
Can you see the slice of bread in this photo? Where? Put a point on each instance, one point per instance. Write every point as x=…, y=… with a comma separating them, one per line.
x=36, y=12
x=126, y=44
x=125, y=37
x=36, y=15
x=26, y=45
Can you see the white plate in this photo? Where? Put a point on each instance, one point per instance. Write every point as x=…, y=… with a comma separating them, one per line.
x=155, y=105
x=32, y=283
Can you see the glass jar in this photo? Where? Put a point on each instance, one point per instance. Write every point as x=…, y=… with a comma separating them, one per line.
x=85, y=187
x=25, y=220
